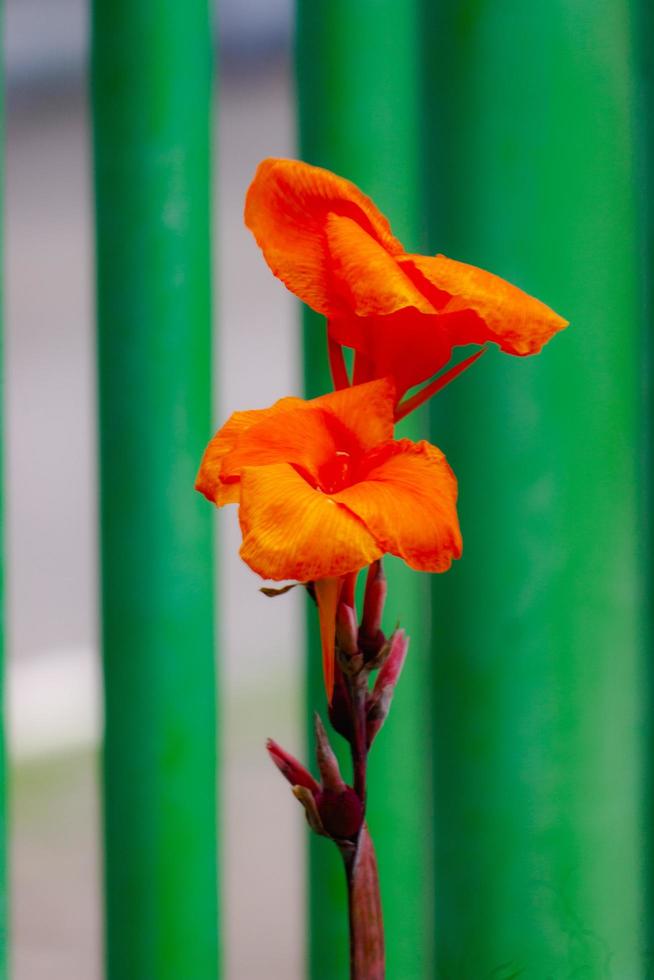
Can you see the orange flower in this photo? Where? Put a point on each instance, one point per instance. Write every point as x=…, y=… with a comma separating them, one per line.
x=325, y=490
x=402, y=313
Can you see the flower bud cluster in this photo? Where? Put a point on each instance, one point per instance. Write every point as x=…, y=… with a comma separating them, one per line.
x=332, y=807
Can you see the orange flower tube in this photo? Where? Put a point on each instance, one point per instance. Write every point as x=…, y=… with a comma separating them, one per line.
x=403, y=314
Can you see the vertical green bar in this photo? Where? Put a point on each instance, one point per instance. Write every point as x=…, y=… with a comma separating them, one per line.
x=540, y=693
x=4, y=909
x=151, y=77
x=358, y=75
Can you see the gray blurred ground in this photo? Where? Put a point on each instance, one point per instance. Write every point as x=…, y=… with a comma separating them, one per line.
x=52, y=566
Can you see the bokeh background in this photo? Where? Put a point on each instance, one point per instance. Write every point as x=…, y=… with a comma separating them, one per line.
x=511, y=799
x=53, y=659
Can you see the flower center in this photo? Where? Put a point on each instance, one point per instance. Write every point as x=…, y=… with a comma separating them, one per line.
x=337, y=473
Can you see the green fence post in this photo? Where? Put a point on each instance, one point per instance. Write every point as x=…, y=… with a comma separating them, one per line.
x=644, y=28
x=540, y=693
x=151, y=78
x=359, y=79
x=4, y=903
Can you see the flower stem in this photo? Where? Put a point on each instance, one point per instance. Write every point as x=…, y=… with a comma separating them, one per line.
x=359, y=746
x=366, y=926
x=364, y=901
x=333, y=808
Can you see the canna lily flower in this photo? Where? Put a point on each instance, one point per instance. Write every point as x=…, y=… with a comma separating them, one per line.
x=401, y=313
x=324, y=490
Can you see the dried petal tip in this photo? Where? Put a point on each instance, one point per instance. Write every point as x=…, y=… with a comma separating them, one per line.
x=371, y=639
x=382, y=695
x=327, y=761
x=290, y=768
x=273, y=593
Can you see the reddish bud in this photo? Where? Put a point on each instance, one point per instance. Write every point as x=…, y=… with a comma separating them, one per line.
x=390, y=672
x=340, y=710
x=290, y=768
x=341, y=814
x=371, y=638
x=346, y=630
x=380, y=700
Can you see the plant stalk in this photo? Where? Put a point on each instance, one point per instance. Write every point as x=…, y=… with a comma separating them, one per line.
x=364, y=904
x=367, y=956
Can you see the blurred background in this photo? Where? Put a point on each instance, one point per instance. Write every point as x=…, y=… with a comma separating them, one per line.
x=516, y=839
x=53, y=659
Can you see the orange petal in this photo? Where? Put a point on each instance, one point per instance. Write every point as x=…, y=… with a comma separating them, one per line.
x=208, y=480
x=328, y=591
x=408, y=501
x=497, y=311
x=366, y=411
x=310, y=433
x=291, y=531
x=301, y=436
x=367, y=278
x=307, y=434
x=287, y=207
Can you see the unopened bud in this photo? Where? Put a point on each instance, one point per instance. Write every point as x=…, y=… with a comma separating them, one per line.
x=380, y=700
x=340, y=710
x=341, y=813
x=330, y=772
x=346, y=630
x=371, y=638
x=290, y=768
x=392, y=668
x=375, y=660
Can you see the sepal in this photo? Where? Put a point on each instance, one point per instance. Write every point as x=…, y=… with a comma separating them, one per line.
x=379, y=702
x=371, y=639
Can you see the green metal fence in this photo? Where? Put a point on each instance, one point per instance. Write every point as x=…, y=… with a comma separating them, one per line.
x=510, y=793
x=541, y=661
x=152, y=74
x=360, y=115
x=4, y=902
